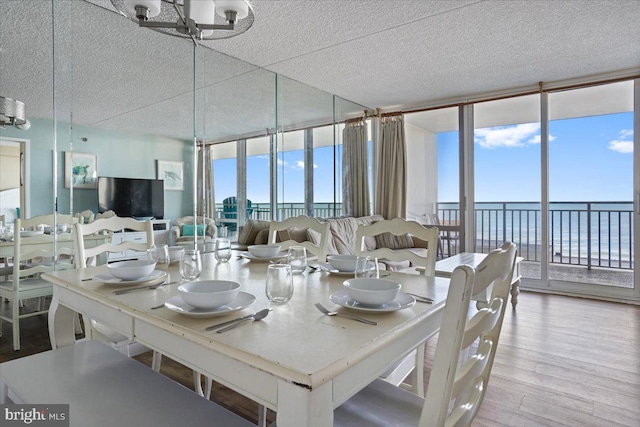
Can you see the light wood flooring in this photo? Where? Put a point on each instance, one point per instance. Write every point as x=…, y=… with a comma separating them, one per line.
x=561, y=361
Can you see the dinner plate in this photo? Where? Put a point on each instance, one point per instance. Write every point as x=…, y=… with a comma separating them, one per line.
x=31, y=233
x=401, y=302
x=177, y=304
x=249, y=256
x=327, y=267
x=156, y=276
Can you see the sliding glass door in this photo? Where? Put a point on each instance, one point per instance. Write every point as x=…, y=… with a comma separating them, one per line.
x=591, y=188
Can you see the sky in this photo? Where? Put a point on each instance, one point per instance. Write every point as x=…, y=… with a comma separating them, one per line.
x=590, y=159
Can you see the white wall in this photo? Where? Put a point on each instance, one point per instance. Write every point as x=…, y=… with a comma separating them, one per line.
x=422, y=171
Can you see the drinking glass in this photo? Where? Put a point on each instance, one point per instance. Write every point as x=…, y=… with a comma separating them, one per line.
x=367, y=267
x=222, y=250
x=159, y=254
x=190, y=265
x=279, y=285
x=297, y=259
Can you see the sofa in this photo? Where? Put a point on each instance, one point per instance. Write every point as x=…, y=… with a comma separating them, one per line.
x=341, y=241
x=183, y=229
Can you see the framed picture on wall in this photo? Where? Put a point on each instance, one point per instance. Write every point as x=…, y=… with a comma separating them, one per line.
x=80, y=170
x=171, y=173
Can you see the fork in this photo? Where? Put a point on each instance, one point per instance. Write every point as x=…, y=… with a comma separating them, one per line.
x=126, y=291
x=345, y=315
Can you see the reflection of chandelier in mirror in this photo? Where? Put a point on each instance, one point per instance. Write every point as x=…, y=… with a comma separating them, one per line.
x=195, y=19
x=13, y=113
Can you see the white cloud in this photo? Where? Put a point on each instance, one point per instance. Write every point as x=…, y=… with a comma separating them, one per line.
x=622, y=144
x=508, y=136
x=281, y=162
x=300, y=165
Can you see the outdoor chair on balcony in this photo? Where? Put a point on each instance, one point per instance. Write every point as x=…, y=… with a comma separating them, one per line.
x=230, y=212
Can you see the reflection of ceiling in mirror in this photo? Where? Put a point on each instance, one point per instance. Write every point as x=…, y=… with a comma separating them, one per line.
x=117, y=76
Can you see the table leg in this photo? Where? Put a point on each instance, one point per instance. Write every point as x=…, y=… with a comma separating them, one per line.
x=515, y=291
x=61, y=323
x=301, y=407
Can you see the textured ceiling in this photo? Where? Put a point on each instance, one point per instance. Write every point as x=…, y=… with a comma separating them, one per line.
x=377, y=53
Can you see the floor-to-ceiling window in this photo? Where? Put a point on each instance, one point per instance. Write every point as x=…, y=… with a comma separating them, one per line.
x=225, y=187
x=258, y=178
x=507, y=180
x=591, y=188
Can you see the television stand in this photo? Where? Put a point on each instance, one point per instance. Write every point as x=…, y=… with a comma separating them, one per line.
x=161, y=229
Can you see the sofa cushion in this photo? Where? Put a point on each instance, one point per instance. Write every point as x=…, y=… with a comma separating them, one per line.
x=297, y=234
x=343, y=231
x=388, y=240
x=369, y=241
x=250, y=231
x=262, y=238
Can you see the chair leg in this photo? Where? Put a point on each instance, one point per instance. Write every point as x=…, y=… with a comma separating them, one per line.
x=197, y=384
x=15, y=324
x=156, y=361
x=207, y=387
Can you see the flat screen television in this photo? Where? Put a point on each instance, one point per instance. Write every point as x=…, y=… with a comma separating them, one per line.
x=131, y=197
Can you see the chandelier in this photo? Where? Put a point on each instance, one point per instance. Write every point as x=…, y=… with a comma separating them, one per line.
x=195, y=19
x=13, y=113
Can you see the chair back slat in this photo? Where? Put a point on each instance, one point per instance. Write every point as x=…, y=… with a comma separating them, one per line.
x=399, y=227
x=457, y=384
x=304, y=222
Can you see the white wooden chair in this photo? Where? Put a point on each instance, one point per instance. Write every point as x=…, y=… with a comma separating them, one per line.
x=87, y=256
x=457, y=384
x=25, y=281
x=315, y=240
x=413, y=363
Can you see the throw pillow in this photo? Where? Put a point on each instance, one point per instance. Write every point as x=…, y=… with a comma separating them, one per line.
x=388, y=240
x=189, y=229
x=250, y=231
x=262, y=238
x=293, y=233
x=313, y=236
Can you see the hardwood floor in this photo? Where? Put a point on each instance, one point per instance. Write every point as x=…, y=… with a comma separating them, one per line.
x=561, y=361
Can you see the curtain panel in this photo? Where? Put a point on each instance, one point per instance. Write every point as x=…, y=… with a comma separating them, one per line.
x=355, y=167
x=206, y=197
x=391, y=183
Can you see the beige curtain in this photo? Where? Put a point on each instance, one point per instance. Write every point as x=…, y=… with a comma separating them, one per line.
x=206, y=199
x=355, y=163
x=391, y=182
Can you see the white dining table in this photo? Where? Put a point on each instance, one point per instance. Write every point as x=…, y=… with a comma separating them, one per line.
x=296, y=361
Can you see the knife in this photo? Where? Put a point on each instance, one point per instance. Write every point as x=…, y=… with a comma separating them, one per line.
x=228, y=322
x=126, y=291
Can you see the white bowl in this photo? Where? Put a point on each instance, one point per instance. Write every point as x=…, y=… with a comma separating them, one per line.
x=343, y=262
x=372, y=291
x=264, y=251
x=175, y=252
x=209, y=293
x=131, y=270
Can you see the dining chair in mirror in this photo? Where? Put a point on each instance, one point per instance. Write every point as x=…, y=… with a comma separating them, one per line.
x=303, y=231
x=396, y=240
x=25, y=282
x=96, y=253
x=467, y=345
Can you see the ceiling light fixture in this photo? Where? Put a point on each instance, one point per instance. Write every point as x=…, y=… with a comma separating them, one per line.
x=13, y=113
x=195, y=19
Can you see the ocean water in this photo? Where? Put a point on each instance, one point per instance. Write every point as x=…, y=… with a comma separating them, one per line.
x=602, y=230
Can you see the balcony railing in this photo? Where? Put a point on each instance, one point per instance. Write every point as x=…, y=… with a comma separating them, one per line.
x=593, y=234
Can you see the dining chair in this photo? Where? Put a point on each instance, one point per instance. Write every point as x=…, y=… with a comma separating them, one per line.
x=301, y=231
x=423, y=259
x=25, y=282
x=88, y=255
x=457, y=384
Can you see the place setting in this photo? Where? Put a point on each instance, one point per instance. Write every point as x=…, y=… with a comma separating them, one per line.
x=263, y=253
x=204, y=298
x=368, y=292
x=127, y=273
